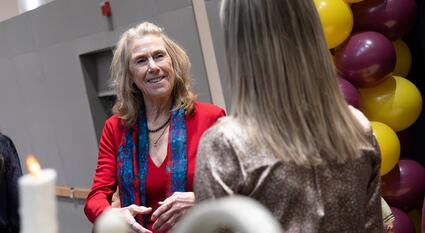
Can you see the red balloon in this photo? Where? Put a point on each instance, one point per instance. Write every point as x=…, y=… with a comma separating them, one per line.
x=393, y=18
x=402, y=222
x=404, y=186
x=366, y=59
x=351, y=94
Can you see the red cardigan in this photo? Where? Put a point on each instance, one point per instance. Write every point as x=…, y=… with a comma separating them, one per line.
x=105, y=179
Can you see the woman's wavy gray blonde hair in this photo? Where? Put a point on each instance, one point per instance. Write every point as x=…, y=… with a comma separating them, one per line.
x=129, y=97
x=284, y=82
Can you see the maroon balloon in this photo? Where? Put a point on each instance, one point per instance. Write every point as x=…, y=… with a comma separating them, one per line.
x=402, y=222
x=404, y=186
x=393, y=18
x=423, y=216
x=350, y=93
x=366, y=59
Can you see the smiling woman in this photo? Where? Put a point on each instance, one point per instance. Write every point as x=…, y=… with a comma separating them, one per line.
x=148, y=147
x=151, y=67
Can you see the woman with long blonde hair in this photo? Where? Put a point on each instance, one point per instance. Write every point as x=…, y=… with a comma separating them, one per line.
x=148, y=147
x=291, y=142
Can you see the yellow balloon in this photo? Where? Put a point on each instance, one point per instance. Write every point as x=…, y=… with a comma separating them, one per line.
x=337, y=20
x=396, y=102
x=404, y=58
x=389, y=146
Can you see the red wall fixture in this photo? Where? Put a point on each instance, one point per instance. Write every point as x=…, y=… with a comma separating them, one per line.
x=106, y=8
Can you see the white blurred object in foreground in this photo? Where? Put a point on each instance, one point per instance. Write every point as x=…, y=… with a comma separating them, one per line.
x=240, y=214
x=111, y=221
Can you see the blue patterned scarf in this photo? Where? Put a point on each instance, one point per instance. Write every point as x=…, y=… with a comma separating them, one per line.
x=133, y=160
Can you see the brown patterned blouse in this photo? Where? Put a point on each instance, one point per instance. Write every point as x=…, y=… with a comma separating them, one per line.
x=327, y=198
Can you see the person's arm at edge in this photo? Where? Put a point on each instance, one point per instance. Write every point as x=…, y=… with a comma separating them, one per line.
x=211, y=180
x=373, y=216
x=374, y=222
x=13, y=172
x=104, y=182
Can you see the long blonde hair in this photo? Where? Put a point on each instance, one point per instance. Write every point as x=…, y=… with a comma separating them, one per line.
x=285, y=89
x=129, y=97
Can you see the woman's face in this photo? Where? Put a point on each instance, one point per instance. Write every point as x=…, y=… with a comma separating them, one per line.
x=151, y=67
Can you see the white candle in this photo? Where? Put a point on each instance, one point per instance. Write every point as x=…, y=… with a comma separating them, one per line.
x=37, y=195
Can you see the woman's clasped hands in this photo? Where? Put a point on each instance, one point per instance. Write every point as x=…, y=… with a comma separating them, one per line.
x=165, y=217
x=130, y=213
x=171, y=209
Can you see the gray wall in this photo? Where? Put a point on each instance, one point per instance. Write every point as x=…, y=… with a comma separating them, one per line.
x=45, y=106
x=213, y=11
x=8, y=9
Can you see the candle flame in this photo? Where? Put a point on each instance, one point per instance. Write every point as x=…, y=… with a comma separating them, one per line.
x=32, y=165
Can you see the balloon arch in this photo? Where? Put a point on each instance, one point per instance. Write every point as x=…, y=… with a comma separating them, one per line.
x=372, y=61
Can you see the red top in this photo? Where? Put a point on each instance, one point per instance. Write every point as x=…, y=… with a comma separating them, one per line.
x=105, y=179
x=157, y=177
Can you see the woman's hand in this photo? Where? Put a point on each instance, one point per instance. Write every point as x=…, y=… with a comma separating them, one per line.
x=130, y=212
x=171, y=209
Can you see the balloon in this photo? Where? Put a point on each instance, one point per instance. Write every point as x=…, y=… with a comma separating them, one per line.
x=415, y=216
x=403, y=60
x=402, y=222
x=350, y=93
x=366, y=59
x=423, y=216
x=404, y=186
x=337, y=20
x=389, y=146
x=353, y=1
x=396, y=102
x=393, y=18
